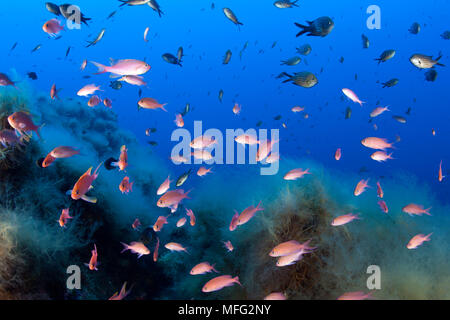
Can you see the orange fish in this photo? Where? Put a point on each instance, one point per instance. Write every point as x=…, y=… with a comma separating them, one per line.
x=383, y=206
x=237, y=109
x=123, y=159
x=202, y=171
x=52, y=27
x=418, y=240
x=191, y=215
x=171, y=199
x=358, y=295
x=276, y=296
x=53, y=92
x=94, y=101
x=64, y=217
x=173, y=246
x=64, y=152
x=136, y=224
x=228, y=245
x=181, y=222
x=341, y=220
x=220, y=282
x=164, y=187
x=380, y=192
x=123, y=293
x=125, y=186
x=159, y=224
x=248, y=213
x=22, y=122
x=265, y=147
x=155, y=253
x=48, y=160
x=203, y=268
x=233, y=224
x=290, y=247
x=84, y=184
x=136, y=247
x=440, y=176
x=297, y=109
x=107, y=102
x=376, y=143
x=150, y=103
x=338, y=154
x=415, y=209
x=361, y=187
x=93, y=262
x=296, y=174
x=179, y=121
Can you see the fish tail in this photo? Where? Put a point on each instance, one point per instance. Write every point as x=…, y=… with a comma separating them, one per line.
x=125, y=247
x=101, y=67
x=162, y=107
x=236, y=279
x=305, y=29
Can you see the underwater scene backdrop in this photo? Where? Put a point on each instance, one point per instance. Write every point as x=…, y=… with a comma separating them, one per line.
x=353, y=95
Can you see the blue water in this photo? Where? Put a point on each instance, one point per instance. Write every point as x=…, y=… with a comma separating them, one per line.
x=206, y=34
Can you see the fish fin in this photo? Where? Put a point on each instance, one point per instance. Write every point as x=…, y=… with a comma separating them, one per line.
x=305, y=29
x=101, y=67
x=89, y=199
x=114, y=76
x=162, y=107
x=68, y=192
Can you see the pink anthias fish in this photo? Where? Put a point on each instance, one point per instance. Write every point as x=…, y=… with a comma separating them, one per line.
x=228, y=245
x=352, y=96
x=247, y=139
x=204, y=155
x=122, y=294
x=173, y=246
x=64, y=217
x=126, y=67
x=181, y=222
x=93, y=263
x=202, y=142
x=418, y=240
x=290, y=259
x=164, y=186
x=296, y=174
x=179, y=120
x=361, y=187
x=6, y=81
x=415, y=209
x=357, y=295
x=107, y=102
x=9, y=138
x=203, y=268
x=191, y=216
x=220, y=282
x=133, y=80
x=265, y=148
x=87, y=90
x=380, y=192
x=297, y=109
x=136, y=247
x=94, y=101
x=341, y=220
x=338, y=154
x=275, y=296
x=234, y=220
x=171, y=199
x=237, y=109
x=22, y=122
x=52, y=27
x=273, y=157
x=381, y=156
x=151, y=104
x=202, y=171
x=383, y=206
x=136, y=224
x=159, y=224
x=155, y=253
x=84, y=184
x=376, y=143
x=290, y=247
x=64, y=152
x=248, y=213
x=378, y=111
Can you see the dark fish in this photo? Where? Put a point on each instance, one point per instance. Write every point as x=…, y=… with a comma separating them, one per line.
x=220, y=95
x=274, y=44
x=431, y=75
x=341, y=59
x=303, y=79
x=399, y=119
x=385, y=56
x=227, y=57
x=186, y=109
x=86, y=77
x=304, y=50
x=180, y=54
x=133, y=2
x=153, y=143
x=69, y=11
x=408, y=112
x=99, y=37
x=365, y=41
x=111, y=15
x=390, y=83
x=259, y=123
x=13, y=47
x=68, y=51
x=116, y=85
x=278, y=117
x=213, y=6
x=320, y=27
x=155, y=6
x=140, y=93
x=291, y=61
x=32, y=75
x=170, y=58
x=285, y=4
x=415, y=28
x=348, y=113
x=425, y=62
x=232, y=17
x=36, y=48
x=182, y=179
x=52, y=8
x=446, y=35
